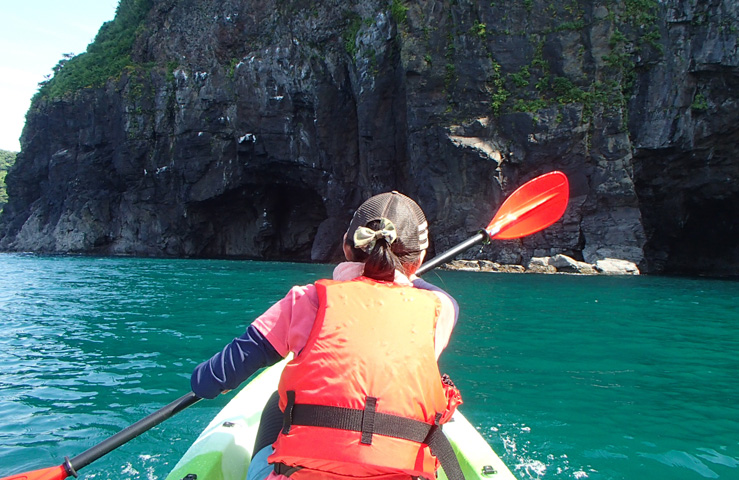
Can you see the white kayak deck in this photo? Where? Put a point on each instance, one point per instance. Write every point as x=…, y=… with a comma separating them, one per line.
x=224, y=449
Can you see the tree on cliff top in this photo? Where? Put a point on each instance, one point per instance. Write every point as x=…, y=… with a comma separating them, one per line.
x=7, y=159
x=106, y=57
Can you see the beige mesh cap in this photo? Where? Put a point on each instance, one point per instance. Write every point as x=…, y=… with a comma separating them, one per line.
x=408, y=218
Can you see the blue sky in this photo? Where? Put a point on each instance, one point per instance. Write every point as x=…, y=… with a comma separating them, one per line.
x=33, y=37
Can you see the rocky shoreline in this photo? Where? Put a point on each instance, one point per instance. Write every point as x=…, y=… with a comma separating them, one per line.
x=555, y=264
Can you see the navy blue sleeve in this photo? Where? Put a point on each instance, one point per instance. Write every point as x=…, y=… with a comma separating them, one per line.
x=235, y=363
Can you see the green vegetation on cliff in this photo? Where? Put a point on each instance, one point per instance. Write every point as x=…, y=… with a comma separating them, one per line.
x=633, y=32
x=106, y=57
x=7, y=159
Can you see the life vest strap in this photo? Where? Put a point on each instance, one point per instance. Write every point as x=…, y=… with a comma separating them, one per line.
x=368, y=422
x=371, y=422
x=286, y=470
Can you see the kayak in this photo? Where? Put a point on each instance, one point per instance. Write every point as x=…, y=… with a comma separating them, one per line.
x=224, y=449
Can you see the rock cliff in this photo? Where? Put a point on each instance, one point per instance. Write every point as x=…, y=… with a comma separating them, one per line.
x=237, y=128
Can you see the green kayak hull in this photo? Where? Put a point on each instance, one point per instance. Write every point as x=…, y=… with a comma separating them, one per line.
x=224, y=449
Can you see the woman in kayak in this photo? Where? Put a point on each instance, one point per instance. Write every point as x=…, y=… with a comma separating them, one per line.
x=362, y=396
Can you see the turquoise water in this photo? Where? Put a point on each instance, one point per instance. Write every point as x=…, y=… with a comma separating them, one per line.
x=567, y=377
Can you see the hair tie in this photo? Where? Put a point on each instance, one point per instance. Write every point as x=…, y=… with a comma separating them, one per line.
x=366, y=238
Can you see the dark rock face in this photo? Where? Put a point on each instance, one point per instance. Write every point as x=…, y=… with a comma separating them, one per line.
x=263, y=125
x=683, y=127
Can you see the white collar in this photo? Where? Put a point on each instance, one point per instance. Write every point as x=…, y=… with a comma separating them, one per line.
x=351, y=270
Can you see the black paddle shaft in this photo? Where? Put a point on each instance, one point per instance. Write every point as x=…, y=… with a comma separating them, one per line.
x=480, y=237
x=132, y=431
x=108, y=445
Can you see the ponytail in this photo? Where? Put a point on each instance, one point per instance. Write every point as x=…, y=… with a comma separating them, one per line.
x=381, y=262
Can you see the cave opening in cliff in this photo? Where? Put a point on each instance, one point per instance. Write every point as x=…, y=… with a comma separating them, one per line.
x=691, y=234
x=706, y=243
x=269, y=222
x=689, y=204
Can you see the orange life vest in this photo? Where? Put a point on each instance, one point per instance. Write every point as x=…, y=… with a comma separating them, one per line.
x=371, y=354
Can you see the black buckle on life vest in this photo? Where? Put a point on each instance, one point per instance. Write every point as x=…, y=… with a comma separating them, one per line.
x=287, y=420
x=368, y=420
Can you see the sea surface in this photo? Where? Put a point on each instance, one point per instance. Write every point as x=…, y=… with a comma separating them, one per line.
x=567, y=377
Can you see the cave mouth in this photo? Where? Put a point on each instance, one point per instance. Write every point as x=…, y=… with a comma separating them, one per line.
x=689, y=232
x=689, y=202
x=707, y=243
x=266, y=222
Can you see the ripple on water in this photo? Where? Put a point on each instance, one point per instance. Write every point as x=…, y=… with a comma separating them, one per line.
x=675, y=458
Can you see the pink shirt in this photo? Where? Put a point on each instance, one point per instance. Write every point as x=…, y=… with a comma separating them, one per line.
x=287, y=324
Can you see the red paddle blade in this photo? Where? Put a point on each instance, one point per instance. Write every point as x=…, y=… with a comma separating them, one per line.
x=53, y=473
x=534, y=206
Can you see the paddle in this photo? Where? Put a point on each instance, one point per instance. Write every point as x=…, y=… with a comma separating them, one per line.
x=70, y=467
x=532, y=207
